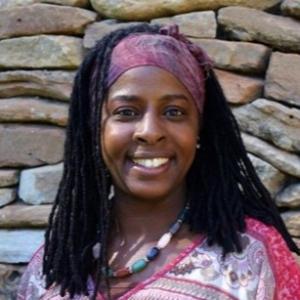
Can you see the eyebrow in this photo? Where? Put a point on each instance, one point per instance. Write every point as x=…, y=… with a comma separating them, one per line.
x=168, y=97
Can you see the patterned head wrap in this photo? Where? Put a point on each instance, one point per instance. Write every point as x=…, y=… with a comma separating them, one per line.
x=168, y=50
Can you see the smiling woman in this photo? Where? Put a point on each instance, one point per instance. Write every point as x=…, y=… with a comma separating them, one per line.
x=158, y=198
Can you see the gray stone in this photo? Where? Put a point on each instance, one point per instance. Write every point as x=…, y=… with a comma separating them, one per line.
x=15, y=3
x=30, y=145
x=8, y=177
x=44, y=18
x=143, y=10
x=7, y=195
x=283, y=78
x=290, y=196
x=292, y=221
x=272, y=178
x=41, y=51
x=271, y=121
x=291, y=8
x=248, y=24
x=194, y=24
x=239, y=88
x=18, y=246
x=24, y=216
x=49, y=84
x=40, y=185
x=286, y=162
x=98, y=30
x=242, y=57
x=33, y=110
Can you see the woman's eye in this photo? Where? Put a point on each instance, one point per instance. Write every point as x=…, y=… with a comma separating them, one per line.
x=174, y=112
x=126, y=113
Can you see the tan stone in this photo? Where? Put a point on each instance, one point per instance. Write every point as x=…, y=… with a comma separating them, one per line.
x=292, y=221
x=44, y=18
x=290, y=196
x=291, y=8
x=7, y=195
x=30, y=145
x=24, y=216
x=248, y=24
x=33, y=110
x=8, y=177
x=194, y=24
x=98, y=30
x=271, y=121
x=283, y=78
x=285, y=161
x=239, y=88
x=49, y=84
x=143, y=10
x=15, y=3
x=41, y=51
x=242, y=57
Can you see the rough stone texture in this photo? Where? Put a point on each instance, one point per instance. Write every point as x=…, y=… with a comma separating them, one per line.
x=280, y=159
x=290, y=196
x=248, y=24
x=10, y=276
x=30, y=145
x=18, y=246
x=292, y=221
x=41, y=51
x=271, y=121
x=272, y=178
x=282, y=77
x=24, y=216
x=49, y=84
x=33, y=110
x=194, y=24
x=236, y=56
x=141, y=10
x=291, y=8
x=15, y=3
x=98, y=30
x=8, y=177
x=238, y=88
x=40, y=185
x=44, y=18
x=7, y=195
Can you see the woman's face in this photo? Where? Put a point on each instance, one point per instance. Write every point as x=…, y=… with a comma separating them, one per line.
x=149, y=133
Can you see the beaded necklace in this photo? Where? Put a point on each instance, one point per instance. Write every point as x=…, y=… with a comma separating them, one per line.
x=153, y=252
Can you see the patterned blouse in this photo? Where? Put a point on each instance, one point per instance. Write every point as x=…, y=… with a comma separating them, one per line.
x=264, y=270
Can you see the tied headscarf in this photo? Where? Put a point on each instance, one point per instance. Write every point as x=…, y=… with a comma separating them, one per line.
x=168, y=50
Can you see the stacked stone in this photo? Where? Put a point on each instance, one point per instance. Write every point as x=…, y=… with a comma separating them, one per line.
x=256, y=50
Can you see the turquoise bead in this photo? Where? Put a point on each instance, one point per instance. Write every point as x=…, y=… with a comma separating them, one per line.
x=139, y=266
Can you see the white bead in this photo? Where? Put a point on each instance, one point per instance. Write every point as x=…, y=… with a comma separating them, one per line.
x=164, y=240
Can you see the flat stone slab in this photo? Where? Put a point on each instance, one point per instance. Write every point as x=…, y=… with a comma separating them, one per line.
x=18, y=246
x=285, y=161
x=7, y=195
x=239, y=89
x=242, y=57
x=40, y=185
x=44, y=18
x=30, y=145
x=24, y=216
x=292, y=221
x=15, y=3
x=283, y=78
x=271, y=121
x=33, y=110
x=41, y=51
x=249, y=24
x=194, y=24
x=43, y=83
x=8, y=177
x=290, y=196
x=141, y=10
x=291, y=8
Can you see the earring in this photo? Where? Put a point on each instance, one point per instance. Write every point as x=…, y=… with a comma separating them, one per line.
x=198, y=145
x=111, y=192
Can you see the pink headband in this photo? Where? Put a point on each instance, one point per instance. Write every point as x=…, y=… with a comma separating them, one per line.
x=168, y=50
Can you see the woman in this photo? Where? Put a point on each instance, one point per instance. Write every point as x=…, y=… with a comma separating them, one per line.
x=158, y=198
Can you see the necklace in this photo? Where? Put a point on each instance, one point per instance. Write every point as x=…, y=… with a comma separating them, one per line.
x=153, y=252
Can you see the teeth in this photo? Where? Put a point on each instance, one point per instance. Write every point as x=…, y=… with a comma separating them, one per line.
x=150, y=163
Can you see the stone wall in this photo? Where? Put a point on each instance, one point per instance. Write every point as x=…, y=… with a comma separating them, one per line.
x=256, y=49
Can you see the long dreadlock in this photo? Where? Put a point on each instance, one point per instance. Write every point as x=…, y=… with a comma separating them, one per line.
x=222, y=185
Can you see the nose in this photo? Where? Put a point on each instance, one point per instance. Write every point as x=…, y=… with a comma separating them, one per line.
x=149, y=130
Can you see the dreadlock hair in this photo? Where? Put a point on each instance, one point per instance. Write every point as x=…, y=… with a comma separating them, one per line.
x=223, y=187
